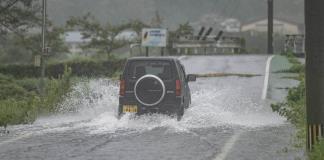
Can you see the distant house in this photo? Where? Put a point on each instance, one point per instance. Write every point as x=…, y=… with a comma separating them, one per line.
x=127, y=35
x=74, y=40
x=231, y=25
x=279, y=27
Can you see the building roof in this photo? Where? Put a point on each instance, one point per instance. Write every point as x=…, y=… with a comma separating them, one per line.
x=153, y=58
x=265, y=18
x=128, y=35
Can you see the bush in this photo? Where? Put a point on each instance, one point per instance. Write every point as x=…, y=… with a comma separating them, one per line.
x=87, y=68
x=55, y=91
x=318, y=152
x=29, y=84
x=9, y=89
x=294, y=109
x=20, y=104
x=18, y=112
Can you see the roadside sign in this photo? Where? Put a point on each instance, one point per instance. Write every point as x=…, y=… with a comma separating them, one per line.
x=37, y=61
x=154, y=37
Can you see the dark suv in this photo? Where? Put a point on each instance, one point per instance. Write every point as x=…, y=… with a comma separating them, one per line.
x=154, y=85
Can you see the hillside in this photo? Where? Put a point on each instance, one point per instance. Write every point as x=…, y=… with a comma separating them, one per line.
x=173, y=11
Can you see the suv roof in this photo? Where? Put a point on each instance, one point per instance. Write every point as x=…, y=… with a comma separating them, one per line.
x=153, y=58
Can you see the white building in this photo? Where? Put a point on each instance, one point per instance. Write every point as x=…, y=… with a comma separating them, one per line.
x=279, y=27
x=74, y=40
x=127, y=35
x=231, y=25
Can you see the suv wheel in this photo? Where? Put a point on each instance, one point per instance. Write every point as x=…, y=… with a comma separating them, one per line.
x=119, y=113
x=180, y=113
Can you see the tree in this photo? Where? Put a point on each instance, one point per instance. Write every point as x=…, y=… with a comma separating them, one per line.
x=102, y=37
x=20, y=37
x=184, y=30
x=135, y=25
x=19, y=15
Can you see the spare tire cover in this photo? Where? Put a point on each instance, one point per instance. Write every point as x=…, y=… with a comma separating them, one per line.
x=149, y=90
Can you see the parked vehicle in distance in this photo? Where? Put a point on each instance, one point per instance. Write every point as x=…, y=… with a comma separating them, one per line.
x=154, y=85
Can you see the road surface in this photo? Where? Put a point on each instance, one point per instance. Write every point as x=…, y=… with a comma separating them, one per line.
x=227, y=120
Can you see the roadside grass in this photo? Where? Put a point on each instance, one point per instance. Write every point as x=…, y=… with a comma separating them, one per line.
x=18, y=112
x=296, y=67
x=21, y=102
x=294, y=108
x=318, y=152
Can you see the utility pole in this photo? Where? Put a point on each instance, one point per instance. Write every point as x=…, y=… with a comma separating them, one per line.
x=44, y=50
x=162, y=51
x=314, y=19
x=270, y=26
x=147, y=51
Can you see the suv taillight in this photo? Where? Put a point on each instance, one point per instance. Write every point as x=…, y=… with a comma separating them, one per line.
x=178, y=88
x=122, y=87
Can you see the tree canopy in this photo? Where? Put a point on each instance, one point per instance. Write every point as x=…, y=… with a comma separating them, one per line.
x=20, y=26
x=102, y=36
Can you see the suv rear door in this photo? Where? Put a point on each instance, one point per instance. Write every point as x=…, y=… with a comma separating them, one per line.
x=164, y=69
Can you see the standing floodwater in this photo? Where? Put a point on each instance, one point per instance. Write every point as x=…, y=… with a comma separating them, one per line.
x=87, y=128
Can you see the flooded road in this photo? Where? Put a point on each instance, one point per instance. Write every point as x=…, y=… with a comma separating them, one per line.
x=227, y=120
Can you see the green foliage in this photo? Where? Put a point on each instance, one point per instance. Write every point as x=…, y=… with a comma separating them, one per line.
x=9, y=89
x=29, y=84
x=17, y=105
x=294, y=108
x=80, y=68
x=55, y=91
x=18, y=16
x=54, y=40
x=12, y=52
x=18, y=111
x=184, y=30
x=20, y=102
x=102, y=37
x=318, y=151
x=295, y=111
x=296, y=67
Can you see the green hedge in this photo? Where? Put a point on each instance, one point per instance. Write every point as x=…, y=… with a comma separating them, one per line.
x=79, y=68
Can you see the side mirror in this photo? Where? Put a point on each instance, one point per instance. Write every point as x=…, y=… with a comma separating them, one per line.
x=191, y=78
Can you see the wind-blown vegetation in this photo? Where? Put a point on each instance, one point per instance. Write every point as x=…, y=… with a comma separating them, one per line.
x=294, y=109
x=20, y=101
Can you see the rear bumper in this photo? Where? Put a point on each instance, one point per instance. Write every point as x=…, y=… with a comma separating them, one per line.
x=165, y=107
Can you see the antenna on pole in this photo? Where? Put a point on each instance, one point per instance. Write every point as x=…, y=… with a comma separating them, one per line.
x=202, y=30
x=219, y=35
x=207, y=34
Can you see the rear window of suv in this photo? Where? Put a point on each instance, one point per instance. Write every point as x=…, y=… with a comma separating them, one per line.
x=162, y=69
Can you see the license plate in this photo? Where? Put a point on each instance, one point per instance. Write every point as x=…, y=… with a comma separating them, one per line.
x=130, y=109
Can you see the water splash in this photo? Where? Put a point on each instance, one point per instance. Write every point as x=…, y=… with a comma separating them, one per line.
x=92, y=106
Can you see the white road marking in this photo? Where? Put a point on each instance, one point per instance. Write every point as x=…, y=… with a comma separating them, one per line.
x=266, y=78
x=231, y=142
x=228, y=146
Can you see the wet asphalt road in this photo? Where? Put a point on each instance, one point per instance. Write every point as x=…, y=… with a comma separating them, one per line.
x=227, y=120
